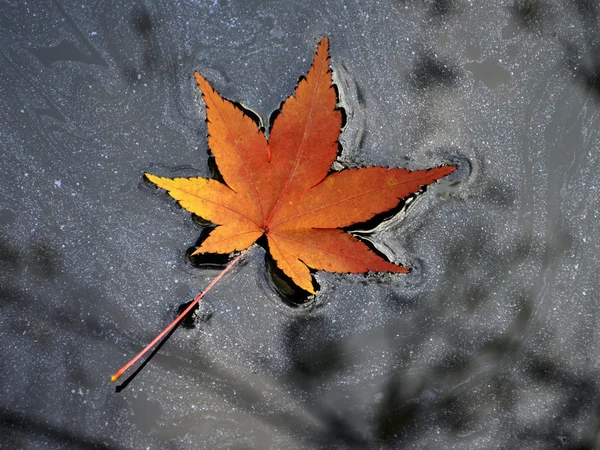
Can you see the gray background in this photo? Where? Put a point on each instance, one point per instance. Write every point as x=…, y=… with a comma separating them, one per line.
x=491, y=342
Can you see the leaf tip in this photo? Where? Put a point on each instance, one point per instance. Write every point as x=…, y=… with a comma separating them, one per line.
x=151, y=178
x=202, y=82
x=391, y=267
x=322, y=53
x=198, y=76
x=324, y=42
x=449, y=169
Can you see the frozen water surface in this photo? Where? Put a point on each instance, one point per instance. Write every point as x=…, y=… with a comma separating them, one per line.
x=491, y=342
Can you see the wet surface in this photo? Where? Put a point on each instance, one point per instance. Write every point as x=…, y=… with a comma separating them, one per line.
x=491, y=341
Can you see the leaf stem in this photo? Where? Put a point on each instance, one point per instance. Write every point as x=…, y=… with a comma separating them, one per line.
x=179, y=318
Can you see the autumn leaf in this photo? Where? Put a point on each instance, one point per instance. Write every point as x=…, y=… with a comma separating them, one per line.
x=281, y=187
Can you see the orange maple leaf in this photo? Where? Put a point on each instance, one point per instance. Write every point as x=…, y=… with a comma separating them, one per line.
x=281, y=187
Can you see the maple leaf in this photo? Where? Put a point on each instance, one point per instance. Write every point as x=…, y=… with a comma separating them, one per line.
x=281, y=187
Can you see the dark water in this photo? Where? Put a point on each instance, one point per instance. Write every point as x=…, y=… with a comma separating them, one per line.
x=492, y=341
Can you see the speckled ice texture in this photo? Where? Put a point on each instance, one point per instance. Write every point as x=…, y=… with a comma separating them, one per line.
x=491, y=342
